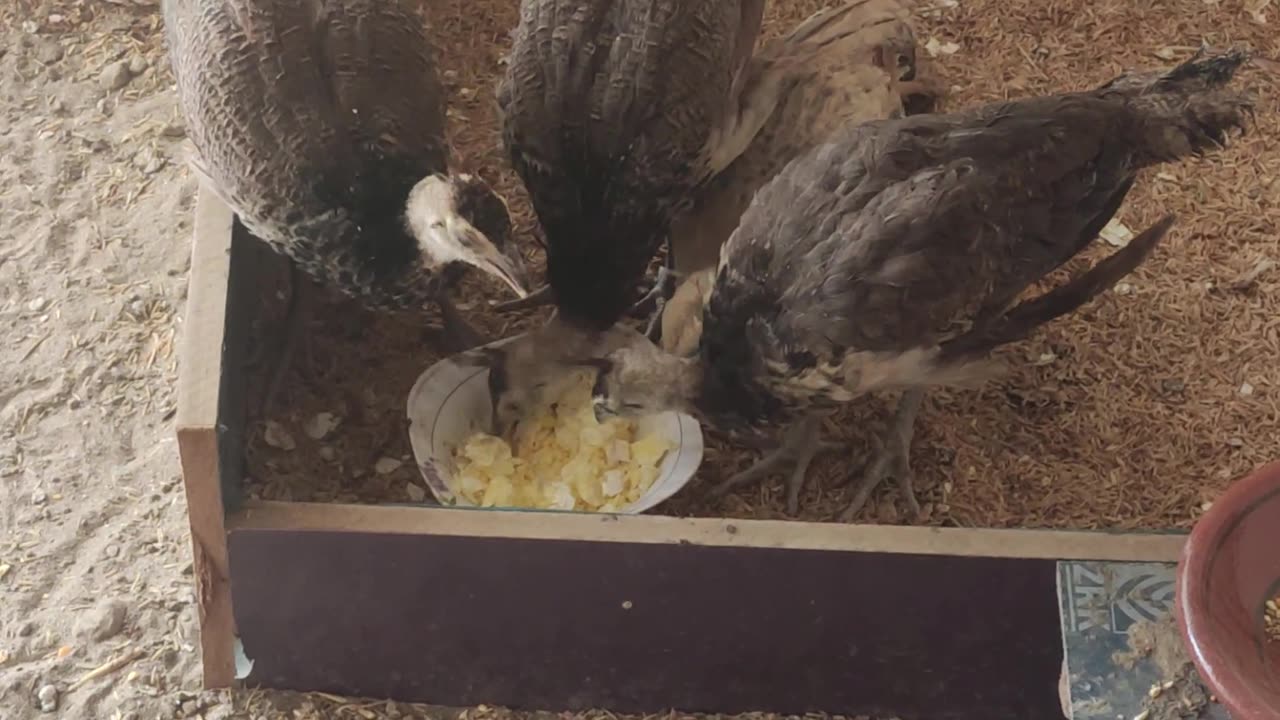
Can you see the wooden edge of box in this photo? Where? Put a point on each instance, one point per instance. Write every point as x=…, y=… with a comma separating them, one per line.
x=782, y=534
x=199, y=386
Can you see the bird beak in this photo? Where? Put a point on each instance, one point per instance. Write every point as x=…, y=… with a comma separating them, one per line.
x=601, y=413
x=509, y=268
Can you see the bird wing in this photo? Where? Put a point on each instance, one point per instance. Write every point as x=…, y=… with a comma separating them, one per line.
x=608, y=108
x=900, y=235
x=845, y=59
x=295, y=107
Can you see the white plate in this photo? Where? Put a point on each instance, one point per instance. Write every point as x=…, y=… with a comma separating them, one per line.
x=450, y=401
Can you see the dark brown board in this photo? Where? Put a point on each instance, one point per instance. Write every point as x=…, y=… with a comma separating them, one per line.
x=544, y=624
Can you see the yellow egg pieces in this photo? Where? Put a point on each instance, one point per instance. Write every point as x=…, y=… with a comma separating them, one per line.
x=563, y=459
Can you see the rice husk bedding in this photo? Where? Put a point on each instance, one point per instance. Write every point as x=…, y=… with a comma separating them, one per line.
x=1133, y=413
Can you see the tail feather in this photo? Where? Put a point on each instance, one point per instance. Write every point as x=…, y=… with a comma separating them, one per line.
x=1024, y=318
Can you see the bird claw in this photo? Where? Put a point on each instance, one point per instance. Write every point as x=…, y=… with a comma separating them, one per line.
x=800, y=446
x=891, y=460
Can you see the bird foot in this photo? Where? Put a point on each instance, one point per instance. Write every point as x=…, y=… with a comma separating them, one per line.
x=892, y=459
x=663, y=287
x=800, y=445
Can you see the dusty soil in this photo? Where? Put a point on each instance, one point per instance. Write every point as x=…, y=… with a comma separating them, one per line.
x=1139, y=417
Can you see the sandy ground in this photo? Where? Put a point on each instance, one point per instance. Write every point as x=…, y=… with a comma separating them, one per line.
x=95, y=207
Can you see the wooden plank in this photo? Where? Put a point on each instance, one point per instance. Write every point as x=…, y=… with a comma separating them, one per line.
x=644, y=529
x=646, y=626
x=199, y=392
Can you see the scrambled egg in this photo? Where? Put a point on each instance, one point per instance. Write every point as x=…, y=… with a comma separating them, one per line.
x=562, y=460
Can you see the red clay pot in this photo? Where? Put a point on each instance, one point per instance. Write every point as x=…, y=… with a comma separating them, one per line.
x=1230, y=567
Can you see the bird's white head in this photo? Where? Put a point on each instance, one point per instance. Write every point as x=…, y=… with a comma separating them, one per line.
x=458, y=218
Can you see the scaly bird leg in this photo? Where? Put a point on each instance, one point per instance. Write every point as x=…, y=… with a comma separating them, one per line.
x=801, y=443
x=301, y=296
x=893, y=457
x=459, y=336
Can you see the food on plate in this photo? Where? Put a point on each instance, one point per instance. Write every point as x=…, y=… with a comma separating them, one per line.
x=561, y=458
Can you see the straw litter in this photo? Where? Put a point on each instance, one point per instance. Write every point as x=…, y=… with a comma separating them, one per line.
x=1137, y=422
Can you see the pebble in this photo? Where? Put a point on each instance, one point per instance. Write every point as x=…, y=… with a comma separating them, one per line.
x=1246, y=389
x=386, y=465
x=115, y=76
x=174, y=130
x=277, y=437
x=39, y=497
x=415, y=493
x=48, y=52
x=37, y=304
x=319, y=426
x=137, y=65
x=104, y=622
x=48, y=697
x=148, y=161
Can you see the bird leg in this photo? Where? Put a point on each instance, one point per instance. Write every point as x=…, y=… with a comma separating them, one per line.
x=801, y=443
x=297, y=312
x=458, y=335
x=893, y=457
x=664, y=287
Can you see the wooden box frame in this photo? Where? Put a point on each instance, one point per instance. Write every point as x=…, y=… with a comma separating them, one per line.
x=570, y=611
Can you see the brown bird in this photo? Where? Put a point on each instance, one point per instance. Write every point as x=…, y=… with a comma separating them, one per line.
x=614, y=112
x=856, y=63
x=891, y=256
x=322, y=125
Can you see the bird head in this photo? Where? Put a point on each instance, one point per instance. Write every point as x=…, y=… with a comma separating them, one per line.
x=639, y=378
x=458, y=218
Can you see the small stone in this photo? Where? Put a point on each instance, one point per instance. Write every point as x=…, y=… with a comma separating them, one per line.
x=39, y=497
x=115, y=76
x=148, y=161
x=112, y=551
x=37, y=304
x=319, y=426
x=277, y=437
x=104, y=622
x=415, y=493
x=1246, y=390
x=137, y=65
x=1124, y=288
x=174, y=130
x=327, y=453
x=48, y=697
x=48, y=52
x=1235, y=442
x=386, y=465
